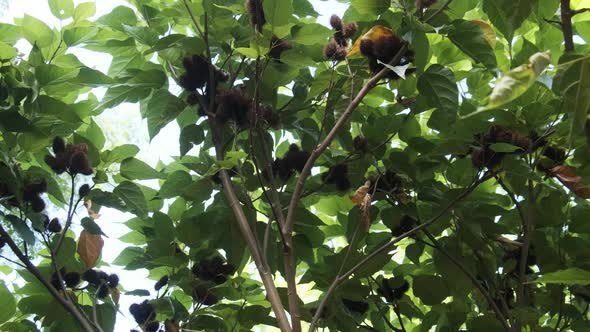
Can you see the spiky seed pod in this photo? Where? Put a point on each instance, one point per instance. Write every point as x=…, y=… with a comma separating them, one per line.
x=102, y=291
x=79, y=164
x=282, y=169
x=337, y=175
x=277, y=47
x=256, y=12
x=113, y=281
x=360, y=144
x=37, y=204
x=84, y=190
x=161, y=283
x=142, y=312
x=59, y=145
x=336, y=22
x=349, y=29
x=54, y=226
x=152, y=326
x=272, y=118
x=391, y=293
x=72, y=279
x=57, y=165
x=91, y=276
x=405, y=225
x=296, y=158
x=356, y=306
x=203, y=295
x=330, y=49
x=233, y=105
x=556, y=154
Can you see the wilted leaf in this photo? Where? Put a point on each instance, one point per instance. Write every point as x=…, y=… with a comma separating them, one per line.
x=571, y=180
x=90, y=248
x=360, y=193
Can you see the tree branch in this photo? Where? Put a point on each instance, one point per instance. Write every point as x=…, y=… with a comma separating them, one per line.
x=528, y=228
x=229, y=191
x=35, y=272
x=566, y=25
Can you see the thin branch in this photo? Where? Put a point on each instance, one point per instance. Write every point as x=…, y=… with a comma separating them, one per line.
x=566, y=25
x=389, y=245
x=371, y=83
x=512, y=196
x=13, y=261
x=471, y=277
x=35, y=272
x=71, y=211
x=580, y=11
x=440, y=10
x=528, y=229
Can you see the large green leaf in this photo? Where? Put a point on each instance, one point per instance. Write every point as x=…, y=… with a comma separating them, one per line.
x=135, y=169
x=372, y=7
x=470, y=38
x=431, y=290
x=133, y=197
x=572, y=276
x=36, y=31
x=437, y=86
x=62, y=8
x=162, y=108
x=508, y=15
x=277, y=12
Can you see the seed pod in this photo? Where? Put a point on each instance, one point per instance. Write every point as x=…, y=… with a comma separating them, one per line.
x=54, y=226
x=59, y=145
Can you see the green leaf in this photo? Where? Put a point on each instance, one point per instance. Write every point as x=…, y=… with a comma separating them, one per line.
x=437, y=86
x=162, y=108
x=312, y=34
x=118, y=18
x=23, y=230
x=7, y=52
x=7, y=303
x=191, y=134
x=371, y=7
x=120, y=94
x=36, y=32
x=174, y=184
x=84, y=10
x=508, y=15
x=120, y=153
x=431, y=290
x=135, y=169
x=91, y=226
x=469, y=37
x=133, y=197
x=78, y=35
x=277, y=12
x=52, y=74
x=571, y=276
x=62, y=8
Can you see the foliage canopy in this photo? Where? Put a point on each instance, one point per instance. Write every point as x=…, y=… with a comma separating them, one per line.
x=422, y=164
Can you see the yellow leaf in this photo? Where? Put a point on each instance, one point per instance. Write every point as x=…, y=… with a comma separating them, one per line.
x=90, y=247
x=360, y=193
x=488, y=31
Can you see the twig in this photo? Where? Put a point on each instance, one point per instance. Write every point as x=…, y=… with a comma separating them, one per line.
x=386, y=247
x=71, y=211
x=94, y=314
x=580, y=11
x=34, y=271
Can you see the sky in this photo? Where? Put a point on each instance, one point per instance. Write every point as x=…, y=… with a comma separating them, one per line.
x=123, y=124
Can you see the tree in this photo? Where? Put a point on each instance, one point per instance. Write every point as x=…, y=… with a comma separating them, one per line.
x=420, y=164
